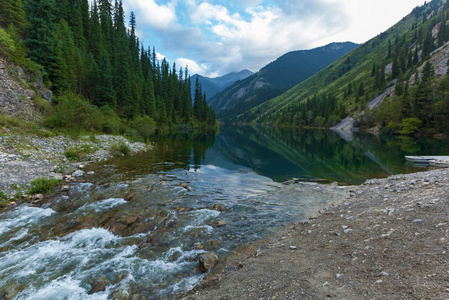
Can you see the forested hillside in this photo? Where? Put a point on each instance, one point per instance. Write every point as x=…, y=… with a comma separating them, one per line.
x=409, y=60
x=275, y=78
x=88, y=56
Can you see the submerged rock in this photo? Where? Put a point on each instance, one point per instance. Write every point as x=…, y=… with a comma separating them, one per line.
x=207, y=261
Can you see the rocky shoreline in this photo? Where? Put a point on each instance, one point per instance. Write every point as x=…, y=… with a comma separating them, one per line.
x=388, y=240
x=23, y=158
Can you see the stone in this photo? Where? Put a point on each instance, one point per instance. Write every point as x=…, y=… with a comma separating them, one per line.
x=338, y=276
x=221, y=223
x=78, y=173
x=207, y=261
x=130, y=196
x=347, y=230
x=417, y=221
x=90, y=173
x=99, y=285
x=184, y=185
x=384, y=274
x=38, y=197
x=293, y=248
x=218, y=207
x=65, y=188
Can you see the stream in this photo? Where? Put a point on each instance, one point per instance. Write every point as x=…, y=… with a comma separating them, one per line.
x=135, y=229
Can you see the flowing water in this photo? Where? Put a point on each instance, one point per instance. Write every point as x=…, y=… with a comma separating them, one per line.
x=135, y=229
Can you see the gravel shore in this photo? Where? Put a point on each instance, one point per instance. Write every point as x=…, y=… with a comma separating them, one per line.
x=388, y=240
x=23, y=158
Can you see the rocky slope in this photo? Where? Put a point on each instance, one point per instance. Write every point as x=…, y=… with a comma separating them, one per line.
x=17, y=95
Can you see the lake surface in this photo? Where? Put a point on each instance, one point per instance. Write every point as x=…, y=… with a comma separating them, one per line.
x=188, y=196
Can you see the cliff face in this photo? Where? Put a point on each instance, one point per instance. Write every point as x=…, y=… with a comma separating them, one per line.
x=18, y=92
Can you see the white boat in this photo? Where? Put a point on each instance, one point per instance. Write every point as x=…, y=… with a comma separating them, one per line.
x=439, y=163
x=426, y=159
x=419, y=159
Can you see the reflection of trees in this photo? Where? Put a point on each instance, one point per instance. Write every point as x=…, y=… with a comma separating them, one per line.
x=200, y=144
x=409, y=145
x=321, y=153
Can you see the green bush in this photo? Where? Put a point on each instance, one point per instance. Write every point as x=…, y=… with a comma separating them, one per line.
x=144, y=125
x=120, y=148
x=71, y=155
x=410, y=126
x=42, y=185
x=79, y=152
x=2, y=195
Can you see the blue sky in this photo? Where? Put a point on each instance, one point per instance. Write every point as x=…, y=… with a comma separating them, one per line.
x=215, y=37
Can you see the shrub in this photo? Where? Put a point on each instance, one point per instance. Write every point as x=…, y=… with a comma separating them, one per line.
x=144, y=125
x=120, y=148
x=410, y=126
x=42, y=185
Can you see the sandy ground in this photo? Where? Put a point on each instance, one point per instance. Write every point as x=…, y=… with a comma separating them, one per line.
x=388, y=240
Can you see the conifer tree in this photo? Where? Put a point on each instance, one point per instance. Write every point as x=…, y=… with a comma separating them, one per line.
x=105, y=94
x=62, y=71
x=41, y=25
x=12, y=12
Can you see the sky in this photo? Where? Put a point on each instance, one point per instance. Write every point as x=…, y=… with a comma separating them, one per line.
x=216, y=37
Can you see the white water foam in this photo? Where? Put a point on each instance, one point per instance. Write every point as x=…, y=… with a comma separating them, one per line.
x=23, y=216
x=63, y=268
x=104, y=204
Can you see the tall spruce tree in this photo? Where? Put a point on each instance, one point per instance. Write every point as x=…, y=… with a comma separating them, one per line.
x=42, y=23
x=12, y=12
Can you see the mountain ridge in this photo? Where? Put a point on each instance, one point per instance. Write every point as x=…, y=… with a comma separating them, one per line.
x=211, y=86
x=275, y=78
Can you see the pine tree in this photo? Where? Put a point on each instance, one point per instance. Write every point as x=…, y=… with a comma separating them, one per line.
x=12, y=12
x=41, y=25
x=105, y=94
x=63, y=70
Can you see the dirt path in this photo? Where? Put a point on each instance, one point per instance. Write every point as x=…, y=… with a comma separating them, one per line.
x=389, y=240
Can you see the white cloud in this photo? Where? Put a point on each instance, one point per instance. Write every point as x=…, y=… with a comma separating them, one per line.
x=152, y=14
x=194, y=67
x=217, y=36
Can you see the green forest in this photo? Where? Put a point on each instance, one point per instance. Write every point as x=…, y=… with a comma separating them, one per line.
x=102, y=77
x=399, y=58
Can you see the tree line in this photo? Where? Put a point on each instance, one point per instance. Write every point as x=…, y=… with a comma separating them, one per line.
x=87, y=50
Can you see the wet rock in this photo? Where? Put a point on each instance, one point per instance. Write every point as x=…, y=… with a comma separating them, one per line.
x=99, y=285
x=221, y=223
x=207, y=261
x=218, y=207
x=129, y=197
x=78, y=173
x=184, y=185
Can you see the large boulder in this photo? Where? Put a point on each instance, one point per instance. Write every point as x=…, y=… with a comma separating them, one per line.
x=207, y=261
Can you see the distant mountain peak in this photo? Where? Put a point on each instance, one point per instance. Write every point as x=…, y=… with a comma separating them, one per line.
x=212, y=86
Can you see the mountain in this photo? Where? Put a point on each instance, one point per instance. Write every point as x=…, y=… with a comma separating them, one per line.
x=396, y=82
x=212, y=86
x=276, y=78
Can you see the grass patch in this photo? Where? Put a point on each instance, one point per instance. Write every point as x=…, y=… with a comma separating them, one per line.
x=80, y=152
x=120, y=149
x=42, y=185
